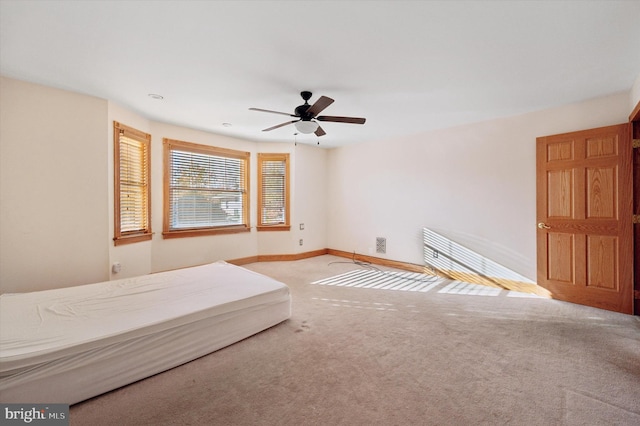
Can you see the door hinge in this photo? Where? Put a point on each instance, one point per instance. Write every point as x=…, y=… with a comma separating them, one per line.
x=636, y=143
x=636, y=218
x=636, y=294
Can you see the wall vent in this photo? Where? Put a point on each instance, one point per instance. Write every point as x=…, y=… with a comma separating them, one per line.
x=381, y=245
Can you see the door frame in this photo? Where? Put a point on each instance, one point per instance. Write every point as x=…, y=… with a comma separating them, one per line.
x=634, y=119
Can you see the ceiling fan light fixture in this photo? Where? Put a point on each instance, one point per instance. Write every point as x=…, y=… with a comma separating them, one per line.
x=306, y=127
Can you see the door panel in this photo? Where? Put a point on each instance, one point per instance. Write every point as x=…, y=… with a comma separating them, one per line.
x=601, y=260
x=601, y=193
x=584, y=207
x=560, y=202
x=561, y=252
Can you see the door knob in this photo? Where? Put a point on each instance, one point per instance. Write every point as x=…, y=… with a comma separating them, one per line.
x=543, y=225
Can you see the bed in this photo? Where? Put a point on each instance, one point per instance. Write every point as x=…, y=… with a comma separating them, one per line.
x=70, y=344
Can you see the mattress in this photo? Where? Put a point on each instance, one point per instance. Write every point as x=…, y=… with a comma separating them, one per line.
x=70, y=344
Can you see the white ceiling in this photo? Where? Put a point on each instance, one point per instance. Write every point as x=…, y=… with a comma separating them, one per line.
x=407, y=66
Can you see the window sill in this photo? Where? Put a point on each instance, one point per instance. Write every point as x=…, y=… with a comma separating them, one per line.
x=185, y=233
x=133, y=238
x=273, y=228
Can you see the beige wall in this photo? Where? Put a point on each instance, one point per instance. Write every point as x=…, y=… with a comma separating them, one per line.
x=310, y=202
x=474, y=184
x=160, y=254
x=48, y=136
x=54, y=220
x=634, y=96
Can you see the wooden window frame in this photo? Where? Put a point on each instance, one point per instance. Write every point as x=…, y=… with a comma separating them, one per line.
x=127, y=237
x=171, y=144
x=286, y=226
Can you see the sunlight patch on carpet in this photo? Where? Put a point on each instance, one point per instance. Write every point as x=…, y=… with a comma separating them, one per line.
x=459, y=287
x=383, y=280
x=356, y=304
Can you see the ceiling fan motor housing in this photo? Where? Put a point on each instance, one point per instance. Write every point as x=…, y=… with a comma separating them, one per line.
x=301, y=110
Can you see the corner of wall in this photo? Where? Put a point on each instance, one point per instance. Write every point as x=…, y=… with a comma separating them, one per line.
x=634, y=95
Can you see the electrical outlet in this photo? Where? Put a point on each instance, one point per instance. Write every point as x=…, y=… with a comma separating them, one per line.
x=300, y=241
x=302, y=226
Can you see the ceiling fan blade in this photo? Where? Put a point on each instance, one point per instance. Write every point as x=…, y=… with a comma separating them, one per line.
x=273, y=112
x=353, y=120
x=320, y=104
x=280, y=125
x=320, y=132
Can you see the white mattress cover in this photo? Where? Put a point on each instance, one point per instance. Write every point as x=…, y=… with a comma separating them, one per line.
x=44, y=326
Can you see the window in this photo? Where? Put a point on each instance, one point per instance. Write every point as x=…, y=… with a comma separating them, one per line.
x=205, y=190
x=132, y=196
x=273, y=192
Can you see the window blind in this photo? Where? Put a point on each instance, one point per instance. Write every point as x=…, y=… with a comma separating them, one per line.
x=132, y=194
x=205, y=190
x=134, y=214
x=273, y=192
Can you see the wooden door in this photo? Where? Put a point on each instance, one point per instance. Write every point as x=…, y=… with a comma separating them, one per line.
x=584, y=217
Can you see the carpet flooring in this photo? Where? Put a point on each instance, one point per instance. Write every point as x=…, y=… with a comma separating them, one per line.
x=449, y=353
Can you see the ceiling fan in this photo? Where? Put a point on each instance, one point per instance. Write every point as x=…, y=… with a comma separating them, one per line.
x=308, y=117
